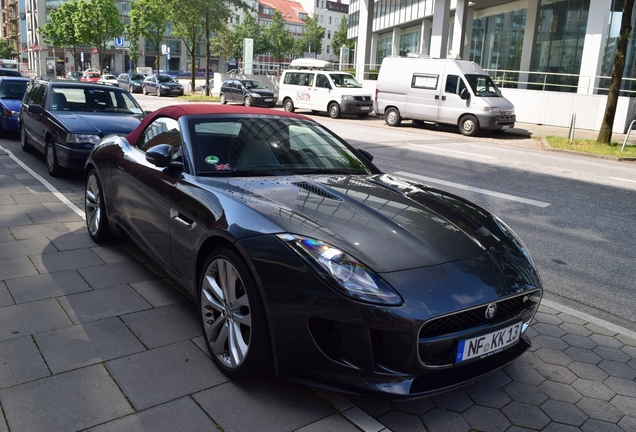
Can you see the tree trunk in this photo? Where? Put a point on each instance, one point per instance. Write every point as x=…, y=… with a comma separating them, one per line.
x=605, y=134
x=207, y=54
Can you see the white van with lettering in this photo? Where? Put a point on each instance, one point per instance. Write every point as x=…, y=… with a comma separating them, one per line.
x=444, y=91
x=318, y=89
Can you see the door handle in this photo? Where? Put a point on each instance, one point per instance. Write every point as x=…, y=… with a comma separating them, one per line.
x=183, y=220
x=436, y=97
x=443, y=98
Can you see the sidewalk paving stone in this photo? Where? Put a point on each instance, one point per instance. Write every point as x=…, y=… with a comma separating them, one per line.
x=18, y=320
x=47, y=285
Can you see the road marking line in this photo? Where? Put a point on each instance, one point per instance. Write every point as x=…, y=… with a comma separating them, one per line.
x=46, y=184
x=474, y=189
x=445, y=150
x=622, y=179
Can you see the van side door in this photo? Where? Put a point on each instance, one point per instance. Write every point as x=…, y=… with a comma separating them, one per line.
x=422, y=100
x=321, y=95
x=452, y=106
x=305, y=91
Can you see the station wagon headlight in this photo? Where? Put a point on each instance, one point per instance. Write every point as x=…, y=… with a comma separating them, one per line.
x=347, y=97
x=341, y=271
x=492, y=109
x=82, y=139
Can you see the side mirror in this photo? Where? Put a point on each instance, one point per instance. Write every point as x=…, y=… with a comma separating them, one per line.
x=464, y=94
x=368, y=156
x=160, y=155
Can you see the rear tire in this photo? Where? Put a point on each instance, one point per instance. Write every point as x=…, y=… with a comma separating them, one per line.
x=469, y=125
x=233, y=317
x=288, y=105
x=392, y=117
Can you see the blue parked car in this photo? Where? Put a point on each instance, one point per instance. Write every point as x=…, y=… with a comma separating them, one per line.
x=11, y=91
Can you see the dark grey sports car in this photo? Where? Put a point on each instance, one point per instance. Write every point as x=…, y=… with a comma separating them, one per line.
x=306, y=260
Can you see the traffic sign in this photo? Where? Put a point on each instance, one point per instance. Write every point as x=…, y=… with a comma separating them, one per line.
x=119, y=42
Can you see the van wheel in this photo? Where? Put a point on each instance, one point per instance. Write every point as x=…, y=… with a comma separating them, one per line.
x=363, y=115
x=334, y=110
x=288, y=105
x=392, y=117
x=468, y=125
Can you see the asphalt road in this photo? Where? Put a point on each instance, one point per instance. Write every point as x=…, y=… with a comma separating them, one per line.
x=575, y=214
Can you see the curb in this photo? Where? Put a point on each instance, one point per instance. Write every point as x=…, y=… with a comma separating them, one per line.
x=591, y=155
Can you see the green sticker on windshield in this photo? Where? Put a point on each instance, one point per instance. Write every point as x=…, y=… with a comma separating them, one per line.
x=211, y=160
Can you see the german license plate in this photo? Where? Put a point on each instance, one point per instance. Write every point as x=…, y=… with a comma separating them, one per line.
x=504, y=127
x=267, y=100
x=365, y=108
x=488, y=344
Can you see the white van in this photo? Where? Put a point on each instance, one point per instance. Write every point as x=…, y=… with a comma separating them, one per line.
x=441, y=91
x=8, y=64
x=328, y=91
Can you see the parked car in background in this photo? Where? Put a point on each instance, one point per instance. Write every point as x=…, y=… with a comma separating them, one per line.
x=64, y=120
x=161, y=85
x=74, y=76
x=247, y=92
x=90, y=77
x=11, y=92
x=302, y=254
x=131, y=81
x=108, y=79
x=10, y=72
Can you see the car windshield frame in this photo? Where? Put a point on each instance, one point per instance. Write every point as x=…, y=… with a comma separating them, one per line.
x=483, y=86
x=105, y=99
x=255, y=145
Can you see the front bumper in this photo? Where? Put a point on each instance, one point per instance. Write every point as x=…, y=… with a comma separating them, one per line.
x=358, y=105
x=497, y=122
x=71, y=158
x=171, y=92
x=328, y=340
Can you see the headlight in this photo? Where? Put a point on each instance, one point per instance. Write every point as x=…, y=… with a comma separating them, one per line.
x=255, y=95
x=82, y=139
x=513, y=237
x=491, y=109
x=343, y=272
x=347, y=97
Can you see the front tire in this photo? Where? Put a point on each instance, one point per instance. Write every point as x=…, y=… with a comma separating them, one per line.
x=247, y=101
x=334, y=110
x=469, y=125
x=24, y=143
x=222, y=99
x=144, y=90
x=392, y=117
x=158, y=92
x=95, y=208
x=52, y=164
x=233, y=317
x=288, y=105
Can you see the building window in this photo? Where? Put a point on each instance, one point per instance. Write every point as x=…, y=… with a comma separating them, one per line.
x=328, y=49
x=409, y=43
x=329, y=20
x=328, y=34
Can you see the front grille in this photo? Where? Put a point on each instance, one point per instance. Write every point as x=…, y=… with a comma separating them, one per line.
x=362, y=98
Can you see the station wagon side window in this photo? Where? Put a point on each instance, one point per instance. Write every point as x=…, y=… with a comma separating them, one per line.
x=163, y=130
x=37, y=95
x=424, y=81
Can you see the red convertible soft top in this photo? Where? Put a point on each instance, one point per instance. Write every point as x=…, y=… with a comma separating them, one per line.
x=177, y=111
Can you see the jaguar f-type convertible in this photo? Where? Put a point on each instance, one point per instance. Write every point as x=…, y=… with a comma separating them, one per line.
x=306, y=260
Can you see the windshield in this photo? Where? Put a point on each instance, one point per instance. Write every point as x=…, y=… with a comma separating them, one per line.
x=483, y=86
x=165, y=79
x=344, y=80
x=251, y=145
x=96, y=100
x=12, y=89
x=249, y=84
x=137, y=77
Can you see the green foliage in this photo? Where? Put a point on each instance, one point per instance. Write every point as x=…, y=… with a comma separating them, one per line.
x=250, y=29
x=97, y=23
x=190, y=27
x=224, y=43
x=7, y=51
x=594, y=147
x=280, y=40
x=311, y=40
x=148, y=18
x=60, y=31
x=340, y=37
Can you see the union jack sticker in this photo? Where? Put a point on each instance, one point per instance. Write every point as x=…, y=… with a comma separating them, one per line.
x=222, y=167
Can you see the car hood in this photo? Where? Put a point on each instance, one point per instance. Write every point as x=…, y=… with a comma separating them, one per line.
x=98, y=123
x=388, y=223
x=262, y=92
x=12, y=104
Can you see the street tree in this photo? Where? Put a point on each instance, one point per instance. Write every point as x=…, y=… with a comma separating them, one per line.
x=605, y=134
x=224, y=43
x=149, y=18
x=281, y=42
x=250, y=29
x=7, y=51
x=340, y=37
x=311, y=40
x=188, y=25
x=97, y=23
x=60, y=31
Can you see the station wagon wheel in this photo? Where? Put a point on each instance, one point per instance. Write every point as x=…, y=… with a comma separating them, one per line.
x=222, y=99
x=233, y=317
x=392, y=117
x=24, y=144
x=131, y=89
x=95, y=208
x=52, y=164
x=468, y=125
x=334, y=110
x=144, y=90
x=158, y=92
x=288, y=105
x=247, y=101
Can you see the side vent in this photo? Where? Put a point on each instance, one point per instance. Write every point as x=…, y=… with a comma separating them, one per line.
x=316, y=190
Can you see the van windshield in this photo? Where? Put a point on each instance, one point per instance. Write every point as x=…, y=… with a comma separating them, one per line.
x=483, y=86
x=344, y=80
